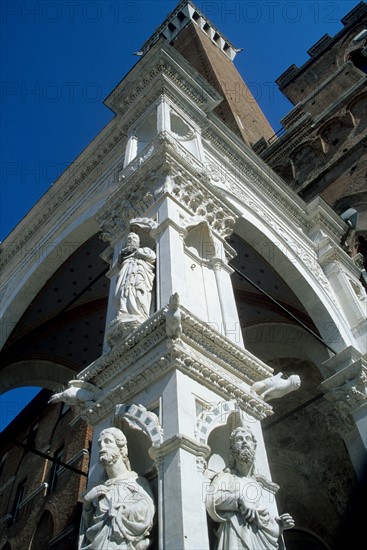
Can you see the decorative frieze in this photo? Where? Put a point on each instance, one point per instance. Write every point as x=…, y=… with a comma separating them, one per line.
x=137, y=195
x=200, y=351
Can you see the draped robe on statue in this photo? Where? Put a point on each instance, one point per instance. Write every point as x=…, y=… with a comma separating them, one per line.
x=234, y=531
x=134, y=283
x=120, y=520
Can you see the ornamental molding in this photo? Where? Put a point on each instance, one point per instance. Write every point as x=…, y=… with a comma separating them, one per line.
x=163, y=60
x=336, y=259
x=257, y=177
x=164, y=173
x=349, y=385
x=216, y=416
x=302, y=252
x=345, y=391
x=51, y=207
x=167, y=90
x=280, y=150
x=200, y=352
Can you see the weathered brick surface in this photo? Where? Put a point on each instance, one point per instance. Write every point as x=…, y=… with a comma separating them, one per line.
x=306, y=80
x=239, y=109
x=47, y=514
x=324, y=150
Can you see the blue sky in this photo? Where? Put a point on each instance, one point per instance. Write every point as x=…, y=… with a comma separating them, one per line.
x=61, y=58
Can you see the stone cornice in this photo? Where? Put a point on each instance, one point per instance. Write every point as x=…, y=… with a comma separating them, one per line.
x=332, y=257
x=322, y=217
x=169, y=169
x=177, y=73
x=346, y=388
x=201, y=353
x=251, y=173
x=305, y=126
x=56, y=201
x=279, y=151
x=162, y=59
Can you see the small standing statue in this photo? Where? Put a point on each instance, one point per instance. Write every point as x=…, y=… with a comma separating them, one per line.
x=235, y=501
x=117, y=514
x=134, y=284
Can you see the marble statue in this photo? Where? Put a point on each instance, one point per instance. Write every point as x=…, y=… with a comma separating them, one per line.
x=234, y=500
x=79, y=392
x=276, y=386
x=118, y=513
x=173, y=317
x=134, y=285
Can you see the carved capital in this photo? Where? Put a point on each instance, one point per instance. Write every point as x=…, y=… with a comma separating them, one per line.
x=345, y=393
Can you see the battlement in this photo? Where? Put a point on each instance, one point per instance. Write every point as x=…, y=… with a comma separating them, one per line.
x=179, y=18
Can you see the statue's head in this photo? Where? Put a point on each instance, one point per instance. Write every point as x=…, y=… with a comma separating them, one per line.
x=133, y=240
x=112, y=447
x=294, y=381
x=242, y=445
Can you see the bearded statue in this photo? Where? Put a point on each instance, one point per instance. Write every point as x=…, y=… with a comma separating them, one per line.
x=235, y=501
x=117, y=514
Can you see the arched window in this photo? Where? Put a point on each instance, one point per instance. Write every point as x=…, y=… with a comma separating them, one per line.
x=43, y=533
x=359, y=60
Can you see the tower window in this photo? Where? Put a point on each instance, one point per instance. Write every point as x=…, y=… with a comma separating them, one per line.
x=2, y=462
x=359, y=59
x=19, y=497
x=55, y=470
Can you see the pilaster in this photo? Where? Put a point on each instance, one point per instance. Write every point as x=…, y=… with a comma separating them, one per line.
x=345, y=408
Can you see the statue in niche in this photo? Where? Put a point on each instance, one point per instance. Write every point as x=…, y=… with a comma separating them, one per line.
x=134, y=284
x=117, y=514
x=234, y=500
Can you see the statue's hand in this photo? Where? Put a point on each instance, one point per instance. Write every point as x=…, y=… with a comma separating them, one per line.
x=286, y=521
x=97, y=492
x=248, y=513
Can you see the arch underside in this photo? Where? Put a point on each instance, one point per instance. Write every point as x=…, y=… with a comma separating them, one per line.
x=62, y=329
